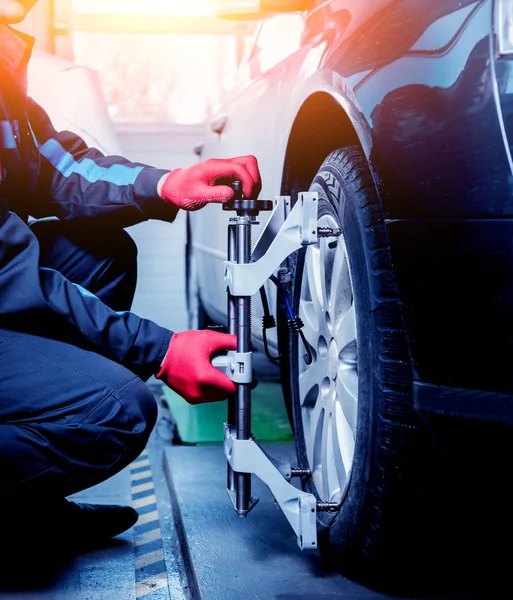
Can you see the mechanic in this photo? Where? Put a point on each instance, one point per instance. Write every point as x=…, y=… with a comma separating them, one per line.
x=74, y=406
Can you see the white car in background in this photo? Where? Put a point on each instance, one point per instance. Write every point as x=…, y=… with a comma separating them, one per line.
x=72, y=96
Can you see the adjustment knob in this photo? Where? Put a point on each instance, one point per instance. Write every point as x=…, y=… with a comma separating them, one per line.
x=245, y=207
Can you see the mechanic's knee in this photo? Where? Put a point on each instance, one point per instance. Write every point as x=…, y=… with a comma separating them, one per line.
x=142, y=411
x=123, y=248
x=148, y=409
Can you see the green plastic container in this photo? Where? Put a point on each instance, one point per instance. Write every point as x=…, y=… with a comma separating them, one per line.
x=203, y=424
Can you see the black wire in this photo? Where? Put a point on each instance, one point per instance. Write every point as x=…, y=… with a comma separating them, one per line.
x=284, y=294
x=265, y=304
x=295, y=323
x=268, y=322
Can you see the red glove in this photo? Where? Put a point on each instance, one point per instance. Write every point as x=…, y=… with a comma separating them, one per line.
x=187, y=369
x=194, y=187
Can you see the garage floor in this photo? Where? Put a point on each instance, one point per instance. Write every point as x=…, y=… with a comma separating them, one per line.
x=188, y=543
x=229, y=558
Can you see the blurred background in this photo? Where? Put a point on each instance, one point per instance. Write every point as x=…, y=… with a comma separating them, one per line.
x=143, y=79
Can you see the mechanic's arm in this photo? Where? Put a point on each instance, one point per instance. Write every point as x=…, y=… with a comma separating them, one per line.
x=77, y=181
x=30, y=295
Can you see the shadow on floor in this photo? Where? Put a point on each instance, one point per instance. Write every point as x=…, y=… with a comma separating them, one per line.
x=43, y=567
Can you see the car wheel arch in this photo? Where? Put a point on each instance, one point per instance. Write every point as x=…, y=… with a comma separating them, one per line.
x=321, y=126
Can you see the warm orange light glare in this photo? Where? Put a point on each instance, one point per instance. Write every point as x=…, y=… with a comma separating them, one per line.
x=144, y=7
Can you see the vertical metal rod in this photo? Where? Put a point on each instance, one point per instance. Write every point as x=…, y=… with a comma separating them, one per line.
x=243, y=324
x=232, y=328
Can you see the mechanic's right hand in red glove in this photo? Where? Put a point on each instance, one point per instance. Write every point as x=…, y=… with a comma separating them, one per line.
x=187, y=367
x=194, y=187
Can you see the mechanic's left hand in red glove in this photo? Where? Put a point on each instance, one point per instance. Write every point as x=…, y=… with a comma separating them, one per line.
x=193, y=187
x=187, y=367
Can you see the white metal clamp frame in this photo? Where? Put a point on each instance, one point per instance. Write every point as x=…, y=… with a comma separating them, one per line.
x=245, y=273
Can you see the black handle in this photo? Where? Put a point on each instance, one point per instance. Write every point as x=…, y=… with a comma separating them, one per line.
x=245, y=207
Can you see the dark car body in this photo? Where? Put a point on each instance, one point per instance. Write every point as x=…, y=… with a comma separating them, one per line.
x=440, y=153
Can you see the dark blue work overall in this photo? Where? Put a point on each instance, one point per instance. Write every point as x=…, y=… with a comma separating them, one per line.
x=74, y=408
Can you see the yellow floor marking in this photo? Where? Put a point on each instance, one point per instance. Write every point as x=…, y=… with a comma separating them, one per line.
x=141, y=463
x=142, y=487
x=144, y=501
x=141, y=475
x=148, y=517
x=150, y=585
x=149, y=536
x=160, y=581
x=149, y=558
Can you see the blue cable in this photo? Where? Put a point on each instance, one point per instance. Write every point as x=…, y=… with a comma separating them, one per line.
x=295, y=323
x=285, y=295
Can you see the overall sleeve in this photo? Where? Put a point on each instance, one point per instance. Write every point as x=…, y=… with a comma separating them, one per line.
x=77, y=181
x=30, y=294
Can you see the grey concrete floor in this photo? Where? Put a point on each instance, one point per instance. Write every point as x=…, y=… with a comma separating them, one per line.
x=229, y=558
x=257, y=557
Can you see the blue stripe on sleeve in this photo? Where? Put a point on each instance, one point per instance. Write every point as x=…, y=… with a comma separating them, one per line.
x=64, y=162
x=7, y=140
x=85, y=292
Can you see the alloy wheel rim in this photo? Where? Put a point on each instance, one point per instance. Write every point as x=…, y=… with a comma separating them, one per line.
x=328, y=387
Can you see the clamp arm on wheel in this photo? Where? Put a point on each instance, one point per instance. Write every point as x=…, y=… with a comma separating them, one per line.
x=273, y=247
x=300, y=508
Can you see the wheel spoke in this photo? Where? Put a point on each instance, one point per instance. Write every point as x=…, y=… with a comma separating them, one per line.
x=310, y=381
x=311, y=322
x=326, y=455
x=314, y=282
x=345, y=329
x=344, y=436
x=339, y=480
x=348, y=376
x=348, y=403
x=313, y=439
x=325, y=272
x=340, y=283
x=336, y=470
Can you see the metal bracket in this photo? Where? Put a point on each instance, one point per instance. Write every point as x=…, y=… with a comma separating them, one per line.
x=300, y=508
x=237, y=366
x=273, y=247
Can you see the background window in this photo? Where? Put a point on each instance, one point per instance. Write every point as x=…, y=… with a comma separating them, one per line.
x=158, y=61
x=152, y=78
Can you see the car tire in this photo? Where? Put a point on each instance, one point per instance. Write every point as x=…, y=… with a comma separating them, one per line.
x=380, y=487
